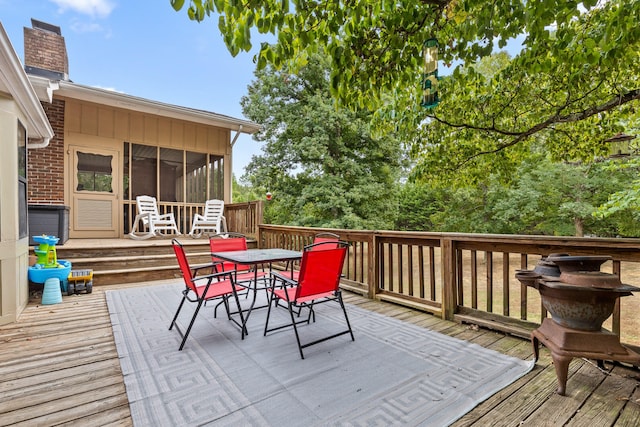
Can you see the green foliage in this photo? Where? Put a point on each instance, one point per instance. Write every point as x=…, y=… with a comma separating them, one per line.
x=560, y=198
x=573, y=86
x=543, y=197
x=244, y=192
x=623, y=206
x=563, y=94
x=417, y=203
x=376, y=46
x=320, y=162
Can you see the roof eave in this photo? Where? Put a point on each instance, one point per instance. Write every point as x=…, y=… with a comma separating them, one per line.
x=14, y=81
x=120, y=100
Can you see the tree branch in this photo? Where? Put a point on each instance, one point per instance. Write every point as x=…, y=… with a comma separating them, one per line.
x=614, y=102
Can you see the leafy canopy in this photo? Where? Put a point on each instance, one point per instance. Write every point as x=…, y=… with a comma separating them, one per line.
x=544, y=197
x=376, y=46
x=320, y=162
x=562, y=94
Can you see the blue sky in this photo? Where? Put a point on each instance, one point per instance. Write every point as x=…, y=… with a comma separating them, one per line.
x=144, y=49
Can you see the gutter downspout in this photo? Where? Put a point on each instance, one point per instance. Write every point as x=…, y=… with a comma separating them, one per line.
x=37, y=143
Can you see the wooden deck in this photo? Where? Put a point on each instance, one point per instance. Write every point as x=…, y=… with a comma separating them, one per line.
x=59, y=365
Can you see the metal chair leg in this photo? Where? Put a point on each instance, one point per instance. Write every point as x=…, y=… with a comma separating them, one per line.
x=193, y=319
x=173, y=322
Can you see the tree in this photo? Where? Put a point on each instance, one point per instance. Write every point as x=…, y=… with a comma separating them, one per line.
x=579, y=63
x=543, y=197
x=567, y=111
x=561, y=198
x=417, y=203
x=243, y=192
x=623, y=206
x=320, y=162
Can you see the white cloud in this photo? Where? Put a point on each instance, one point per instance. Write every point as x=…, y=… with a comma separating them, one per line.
x=86, y=27
x=101, y=8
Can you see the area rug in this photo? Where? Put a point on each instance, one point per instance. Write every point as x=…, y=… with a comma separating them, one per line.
x=394, y=373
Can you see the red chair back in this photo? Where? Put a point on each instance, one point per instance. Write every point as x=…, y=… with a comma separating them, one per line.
x=324, y=238
x=183, y=263
x=235, y=243
x=323, y=243
x=320, y=271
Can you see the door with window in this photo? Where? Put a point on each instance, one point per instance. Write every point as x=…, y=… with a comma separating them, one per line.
x=94, y=183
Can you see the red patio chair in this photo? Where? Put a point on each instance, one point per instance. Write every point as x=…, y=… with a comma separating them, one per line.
x=318, y=282
x=234, y=242
x=321, y=241
x=199, y=289
x=326, y=237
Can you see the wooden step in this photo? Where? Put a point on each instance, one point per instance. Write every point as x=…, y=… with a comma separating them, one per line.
x=128, y=262
x=116, y=261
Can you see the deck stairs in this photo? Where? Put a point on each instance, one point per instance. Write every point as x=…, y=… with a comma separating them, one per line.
x=116, y=261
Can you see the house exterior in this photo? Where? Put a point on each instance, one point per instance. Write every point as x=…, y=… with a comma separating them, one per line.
x=110, y=147
x=23, y=126
x=90, y=152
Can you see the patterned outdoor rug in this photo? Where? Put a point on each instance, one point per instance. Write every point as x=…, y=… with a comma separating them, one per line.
x=394, y=373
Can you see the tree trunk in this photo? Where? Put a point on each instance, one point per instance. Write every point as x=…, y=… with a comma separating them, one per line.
x=579, y=224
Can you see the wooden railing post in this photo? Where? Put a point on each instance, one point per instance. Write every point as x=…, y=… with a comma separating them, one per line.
x=259, y=215
x=448, y=254
x=373, y=267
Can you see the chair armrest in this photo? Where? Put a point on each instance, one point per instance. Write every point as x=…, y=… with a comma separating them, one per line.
x=285, y=280
x=213, y=275
x=194, y=270
x=165, y=216
x=141, y=216
x=198, y=217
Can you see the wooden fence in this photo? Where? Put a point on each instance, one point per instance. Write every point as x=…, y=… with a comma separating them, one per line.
x=463, y=277
x=467, y=277
x=244, y=217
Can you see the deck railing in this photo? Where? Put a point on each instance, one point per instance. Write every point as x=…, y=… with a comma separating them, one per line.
x=244, y=217
x=464, y=277
x=468, y=277
x=241, y=217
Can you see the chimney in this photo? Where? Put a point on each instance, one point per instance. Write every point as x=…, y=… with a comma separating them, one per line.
x=45, y=52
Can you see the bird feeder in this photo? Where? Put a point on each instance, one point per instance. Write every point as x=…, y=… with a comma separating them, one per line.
x=430, y=75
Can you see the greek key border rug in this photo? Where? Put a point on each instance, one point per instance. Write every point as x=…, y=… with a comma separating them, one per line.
x=394, y=373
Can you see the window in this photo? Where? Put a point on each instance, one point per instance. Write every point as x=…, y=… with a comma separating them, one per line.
x=23, y=225
x=183, y=176
x=22, y=151
x=171, y=173
x=143, y=173
x=196, y=177
x=216, y=177
x=94, y=173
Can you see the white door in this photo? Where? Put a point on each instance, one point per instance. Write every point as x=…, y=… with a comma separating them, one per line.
x=95, y=199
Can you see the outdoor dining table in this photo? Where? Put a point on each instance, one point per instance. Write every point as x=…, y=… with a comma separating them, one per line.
x=256, y=257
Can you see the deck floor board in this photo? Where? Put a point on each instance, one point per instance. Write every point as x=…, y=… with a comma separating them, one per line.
x=59, y=365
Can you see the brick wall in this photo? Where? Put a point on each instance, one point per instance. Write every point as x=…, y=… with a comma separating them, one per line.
x=45, y=50
x=45, y=174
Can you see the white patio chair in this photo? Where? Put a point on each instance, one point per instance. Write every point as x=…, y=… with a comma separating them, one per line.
x=149, y=219
x=212, y=221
